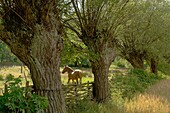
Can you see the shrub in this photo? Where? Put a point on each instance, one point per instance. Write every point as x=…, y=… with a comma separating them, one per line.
x=17, y=99
x=9, y=77
x=86, y=107
x=1, y=78
x=93, y=107
x=136, y=81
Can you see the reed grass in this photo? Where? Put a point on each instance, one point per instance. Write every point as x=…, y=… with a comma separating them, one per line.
x=147, y=103
x=156, y=99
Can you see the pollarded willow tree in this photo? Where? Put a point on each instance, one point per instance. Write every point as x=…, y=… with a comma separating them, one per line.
x=159, y=56
x=142, y=37
x=33, y=31
x=95, y=23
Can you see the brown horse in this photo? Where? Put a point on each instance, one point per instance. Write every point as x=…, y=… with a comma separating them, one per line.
x=73, y=74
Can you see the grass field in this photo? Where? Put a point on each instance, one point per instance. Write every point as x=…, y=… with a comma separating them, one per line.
x=16, y=71
x=156, y=99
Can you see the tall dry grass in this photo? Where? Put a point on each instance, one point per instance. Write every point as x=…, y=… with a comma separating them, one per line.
x=147, y=103
x=155, y=100
x=14, y=70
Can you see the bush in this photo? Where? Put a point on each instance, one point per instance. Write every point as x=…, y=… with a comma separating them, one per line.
x=9, y=78
x=17, y=99
x=136, y=81
x=86, y=106
x=1, y=78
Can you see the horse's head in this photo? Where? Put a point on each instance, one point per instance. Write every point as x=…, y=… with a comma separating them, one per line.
x=67, y=69
x=64, y=69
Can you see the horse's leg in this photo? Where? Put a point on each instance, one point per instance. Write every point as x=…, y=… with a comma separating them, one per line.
x=80, y=80
x=80, y=76
x=72, y=81
x=68, y=81
x=77, y=81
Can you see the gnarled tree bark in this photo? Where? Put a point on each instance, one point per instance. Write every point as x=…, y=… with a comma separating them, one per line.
x=136, y=60
x=43, y=60
x=33, y=31
x=104, y=56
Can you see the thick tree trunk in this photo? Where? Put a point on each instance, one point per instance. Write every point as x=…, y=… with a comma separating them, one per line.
x=36, y=39
x=136, y=61
x=102, y=55
x=100, y=71
x=153, y=66
x=45, y=68
x=43, y=60
x=47, y=83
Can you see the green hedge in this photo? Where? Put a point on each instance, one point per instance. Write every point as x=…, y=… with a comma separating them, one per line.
x=135, y=81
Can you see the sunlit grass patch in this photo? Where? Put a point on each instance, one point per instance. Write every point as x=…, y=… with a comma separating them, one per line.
x=147, y=103
x=14, y=70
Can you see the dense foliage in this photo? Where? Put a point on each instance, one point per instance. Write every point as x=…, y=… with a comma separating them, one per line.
x=145, y=35
x=134, y=82
x=75, y=53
